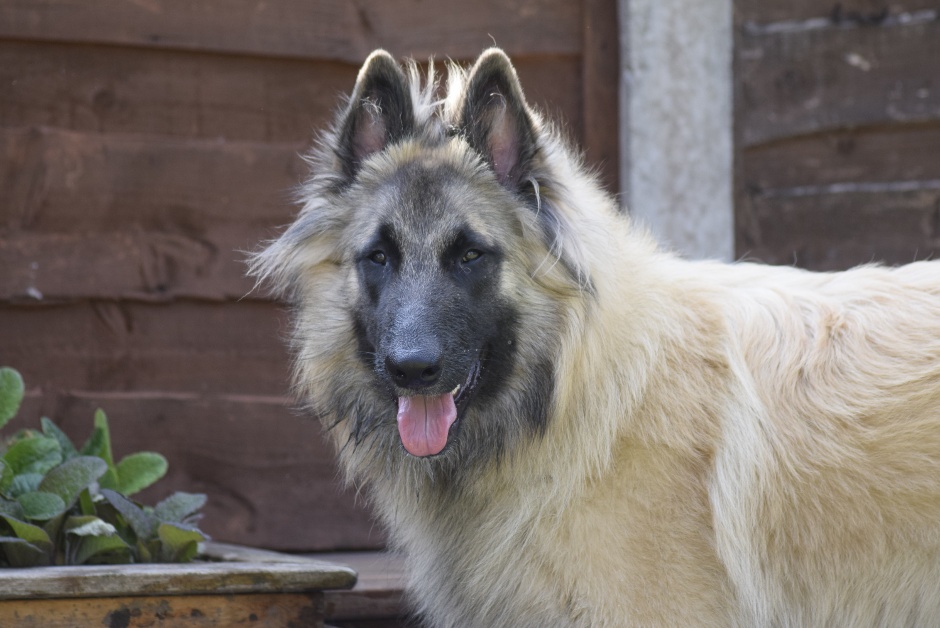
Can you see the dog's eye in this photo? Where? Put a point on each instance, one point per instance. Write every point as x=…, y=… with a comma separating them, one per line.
x=471, y=255
x=378, y=257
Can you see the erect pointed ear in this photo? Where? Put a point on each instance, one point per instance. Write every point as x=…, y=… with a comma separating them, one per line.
x=380, y=112
x=495, y=119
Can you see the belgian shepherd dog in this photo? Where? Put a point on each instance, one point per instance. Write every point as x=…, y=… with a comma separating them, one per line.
x=562, y=424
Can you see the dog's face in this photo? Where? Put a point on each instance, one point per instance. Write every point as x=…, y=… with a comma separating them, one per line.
x=433, y=223
x=431, y=320
x=417, y=258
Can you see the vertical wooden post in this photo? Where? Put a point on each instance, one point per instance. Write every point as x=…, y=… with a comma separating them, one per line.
x=601, y=81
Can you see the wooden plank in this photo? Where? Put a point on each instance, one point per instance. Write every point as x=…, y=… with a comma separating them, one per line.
x=379, y=590
x=601, y=71
x=189, y=346
x=883, y=154
x=182, y=611
x=226, y=552
x=150, y=218
x=132, y=90
x=344, y=606
x=325, y=29
x=158, y=579
x=83, y=180
x=836, y=12
x=840, y=230
x=131, y=264
x=270, y=477
x=811, y=81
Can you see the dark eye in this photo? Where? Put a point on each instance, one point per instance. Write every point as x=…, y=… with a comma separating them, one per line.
x=378, y=257
x=471, y=255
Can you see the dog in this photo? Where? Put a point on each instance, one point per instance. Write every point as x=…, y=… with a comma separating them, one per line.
x=562, y=424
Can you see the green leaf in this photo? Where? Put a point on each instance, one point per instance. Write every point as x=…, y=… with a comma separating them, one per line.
x=111, y=550
x=142, y=522
x=24, y=483
x=98, y=549
x=29, y=532
x=94, y=445
x=138, y=471
x=53, y=528
x=96, y=537
x=33, y=454
x=52, y=430
x=179, y=506
x=148, y=551
x=11, y=393
x=72, y=476
x=12, y=508
x=41, y=506
x=86, y=503
x=6, y=476
x=20, y=553
x=180, y=542
x=99, y=444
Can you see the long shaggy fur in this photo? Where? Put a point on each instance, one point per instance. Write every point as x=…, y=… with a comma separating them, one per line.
x=718, y=445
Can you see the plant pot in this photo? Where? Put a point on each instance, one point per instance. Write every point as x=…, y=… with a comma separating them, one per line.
x=229, y=585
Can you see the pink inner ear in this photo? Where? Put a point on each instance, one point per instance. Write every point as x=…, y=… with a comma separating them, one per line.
x=503, y=144
x=369, y=137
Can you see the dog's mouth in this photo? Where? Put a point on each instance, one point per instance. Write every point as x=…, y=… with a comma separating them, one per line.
x=425, y=421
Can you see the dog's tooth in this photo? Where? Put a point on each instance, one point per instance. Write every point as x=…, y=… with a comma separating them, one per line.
x=455, y=391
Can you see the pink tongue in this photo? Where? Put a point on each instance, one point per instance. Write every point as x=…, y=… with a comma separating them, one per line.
x=423, y=423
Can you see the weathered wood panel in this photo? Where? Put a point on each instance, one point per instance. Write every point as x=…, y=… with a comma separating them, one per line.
x=203, y=576
x=137, y=216
x=135, y=90
x=880, y=154
x=839, y=230
x=378, y=590
x=130, y=263
x=792, y=83
x=325, y=29
x=180, y=611
x=270, y=476
x=554, y=87
x=187, y=346
x=836, y=12
x=62, y=181
x=837, y=131
x=601, y=88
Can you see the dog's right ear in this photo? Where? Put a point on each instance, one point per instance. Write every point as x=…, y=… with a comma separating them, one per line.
x=380, y=113
x=496, y=120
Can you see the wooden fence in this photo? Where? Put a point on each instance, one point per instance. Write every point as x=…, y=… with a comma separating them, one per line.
x=144, y=146
x=837, y=110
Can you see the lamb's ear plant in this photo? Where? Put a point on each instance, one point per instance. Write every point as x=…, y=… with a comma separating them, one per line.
x=63, y=505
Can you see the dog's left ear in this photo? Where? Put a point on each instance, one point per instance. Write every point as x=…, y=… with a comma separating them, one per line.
x=495, y=119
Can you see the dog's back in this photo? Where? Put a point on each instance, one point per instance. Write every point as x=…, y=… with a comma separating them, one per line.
x=835, y=518
x=778, y=466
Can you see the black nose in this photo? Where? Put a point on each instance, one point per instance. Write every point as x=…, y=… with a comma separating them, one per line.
x=414, y=368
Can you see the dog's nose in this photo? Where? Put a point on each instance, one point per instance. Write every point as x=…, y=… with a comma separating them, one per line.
x=414, y=368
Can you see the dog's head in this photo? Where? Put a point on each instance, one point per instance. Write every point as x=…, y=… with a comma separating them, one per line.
x=431, y=317
x=428, y=264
